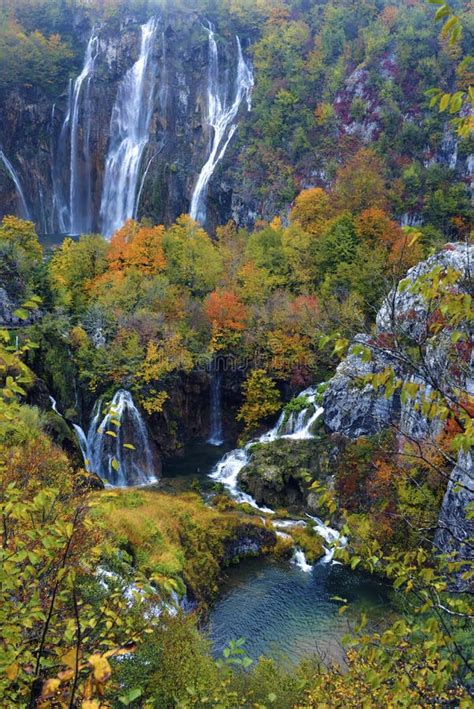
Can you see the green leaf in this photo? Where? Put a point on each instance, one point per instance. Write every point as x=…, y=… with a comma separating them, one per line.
x=443, y=104
x=442, y=12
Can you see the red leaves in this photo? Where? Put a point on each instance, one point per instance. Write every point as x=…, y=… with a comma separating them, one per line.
x=225, y=310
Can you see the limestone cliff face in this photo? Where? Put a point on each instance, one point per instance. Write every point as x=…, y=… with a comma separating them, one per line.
x=33, y=136
x=354, y=409
x=351, y=407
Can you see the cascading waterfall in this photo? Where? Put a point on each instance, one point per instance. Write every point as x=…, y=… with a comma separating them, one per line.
x=221, y=115
x=108, y=455
x=296, y=426
x=74, y=213
x=216, y=432
x=129, y=129
x=299, y=425
x=16, y=181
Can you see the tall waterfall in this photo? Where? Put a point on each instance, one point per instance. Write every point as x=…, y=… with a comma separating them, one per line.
x=222, y=112
x=216, y=432
x=16, y=181
x=297, y=426
x=74, y=212
x=108, y=455
x=129, y=126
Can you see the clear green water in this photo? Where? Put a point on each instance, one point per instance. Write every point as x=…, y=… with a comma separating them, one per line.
x=287, y=614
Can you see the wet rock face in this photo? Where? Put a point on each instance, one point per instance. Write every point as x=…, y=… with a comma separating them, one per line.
x=31, y=132
x=455, y=530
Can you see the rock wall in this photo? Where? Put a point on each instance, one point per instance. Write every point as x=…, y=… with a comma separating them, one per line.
x=455, y=534
x=353, y=408
x=178, y=145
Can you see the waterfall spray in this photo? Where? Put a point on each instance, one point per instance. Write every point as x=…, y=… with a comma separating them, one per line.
x=126, y=457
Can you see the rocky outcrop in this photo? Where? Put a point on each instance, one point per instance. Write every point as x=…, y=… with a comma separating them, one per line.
x=455, y=534
x=350, y=406
x=249, y=540
x=353, y=408
x=279, y=473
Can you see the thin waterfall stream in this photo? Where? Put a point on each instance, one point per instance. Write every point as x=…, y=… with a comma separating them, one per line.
x=221, y=118
x=16, y=181
x=74, y=212
x=216, y=435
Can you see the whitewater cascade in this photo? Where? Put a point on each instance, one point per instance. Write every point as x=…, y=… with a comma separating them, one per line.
x=216, y=432
x=74, y=214
x=16, y=181
x=100, y=450
x=297, y=426
x=129, y=130
x=222, y=110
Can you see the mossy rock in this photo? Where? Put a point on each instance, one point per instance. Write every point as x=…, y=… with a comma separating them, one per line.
x=307, y=539
x=279, y=473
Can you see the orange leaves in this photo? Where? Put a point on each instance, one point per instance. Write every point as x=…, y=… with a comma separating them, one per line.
x=225, y=310
x=139, y=246
x=360, y=183
x=374, y=226
x=289, y=352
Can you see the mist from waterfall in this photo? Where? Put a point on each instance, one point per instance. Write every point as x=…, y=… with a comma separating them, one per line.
x=16, y=181
x=106, y=447
x=74, y=212
x=221, y=118
x=129, y=132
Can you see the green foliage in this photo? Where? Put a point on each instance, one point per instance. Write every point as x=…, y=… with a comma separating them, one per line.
x=73, y=266
x=192, y=260
x=261, y=399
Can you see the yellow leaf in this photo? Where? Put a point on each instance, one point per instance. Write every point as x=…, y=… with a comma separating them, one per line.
x=90, y=704
x=102, y=669
x=12, y=671
x=50, y=688
x=70, y=658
